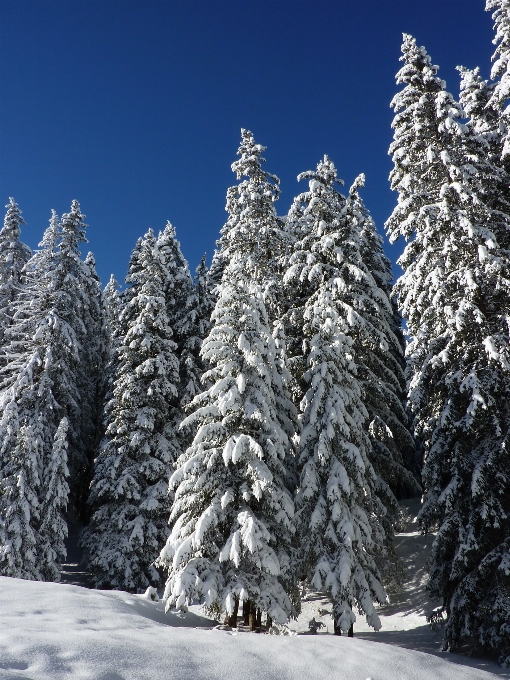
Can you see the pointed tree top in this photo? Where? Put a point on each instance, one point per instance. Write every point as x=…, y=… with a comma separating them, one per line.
x=50, y=236
x=12, y=220
x=417, y=65
x=112, y=283
x=325, y=174
x=73, y=227
x=358, y=183
x=250, y=163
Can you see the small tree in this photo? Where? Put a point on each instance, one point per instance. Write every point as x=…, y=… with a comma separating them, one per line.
x=54, y=497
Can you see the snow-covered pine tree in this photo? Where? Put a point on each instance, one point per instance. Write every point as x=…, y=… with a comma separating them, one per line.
x=194, y=326
x=455, y=295
x=20, y=540
x=500, y=73
x=91, y=372
x=232, y=515
x=381, y=366
x=79, y=290
x=253, y=225
x=489, y=172
x=232, y=512
x=54, y=498
x=111, y=306
x=38, y=370
x=254, y=234
x=336, y=302
x=129, y=490
x=13, y=256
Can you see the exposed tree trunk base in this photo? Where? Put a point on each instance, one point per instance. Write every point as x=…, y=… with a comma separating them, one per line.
x=231, y=620
x=269, y=622
x=338, y=630
x=258, y=622
x=246, y=612
x=350, y=632
x=253, y=616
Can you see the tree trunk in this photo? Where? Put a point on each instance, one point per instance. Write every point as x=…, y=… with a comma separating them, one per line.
x=259, y=620
x=253, y=616
x=338, y=630
x=350, y=632
x=269, y=622
x=246, y=612
x=231, y=620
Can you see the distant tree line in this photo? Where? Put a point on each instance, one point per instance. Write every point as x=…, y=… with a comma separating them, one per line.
x=254, y=427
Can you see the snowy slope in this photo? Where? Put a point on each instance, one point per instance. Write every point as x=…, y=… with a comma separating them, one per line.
x=54, y=631
x=404, y=619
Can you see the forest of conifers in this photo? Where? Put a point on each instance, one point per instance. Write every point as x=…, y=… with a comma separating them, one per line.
x=237, y=433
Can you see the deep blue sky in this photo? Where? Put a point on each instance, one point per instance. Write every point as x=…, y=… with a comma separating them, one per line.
x=134, y=107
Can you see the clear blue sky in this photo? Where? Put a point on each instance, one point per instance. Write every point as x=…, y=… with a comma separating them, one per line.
x=134, y=107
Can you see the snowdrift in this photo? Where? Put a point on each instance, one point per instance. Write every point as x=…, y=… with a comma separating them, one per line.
x=54, y=631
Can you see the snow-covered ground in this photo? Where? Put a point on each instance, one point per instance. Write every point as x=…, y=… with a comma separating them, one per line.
x=55, y=631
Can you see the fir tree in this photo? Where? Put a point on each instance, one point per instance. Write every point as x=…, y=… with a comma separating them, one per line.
x=129, y=490
x=194, y=326
x=13, y=256
x=384, y=385
x=54, y=497
x=39, y=365
x=455, y=296
x=20, y=541
x=232, y=515
x=71, y=281
x=500, y=73
x=335, y=303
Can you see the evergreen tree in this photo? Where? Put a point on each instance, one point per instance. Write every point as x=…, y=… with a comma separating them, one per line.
x=129, y=490
x=20, y=540
x=194, y=326
x=335, y=313
x=13, y=256
x=77, y=286
x=54, y=497
x=232, y=515
x=500, y=73
x=384, y=385
x=455, y=296
x=110, y=337
x=91, y=372
x=38, y=369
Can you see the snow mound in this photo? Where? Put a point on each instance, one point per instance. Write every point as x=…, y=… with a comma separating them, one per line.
x=54, y=632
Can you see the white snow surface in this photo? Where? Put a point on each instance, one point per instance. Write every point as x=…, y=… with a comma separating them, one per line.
x=52, y=631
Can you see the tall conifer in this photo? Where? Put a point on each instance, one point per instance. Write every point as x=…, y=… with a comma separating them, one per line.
x=136, y=457
x=455, y=296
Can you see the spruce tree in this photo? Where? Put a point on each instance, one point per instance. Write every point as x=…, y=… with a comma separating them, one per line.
x=383, y=367
x=194, y=326
x=129, y=490
x=454, y=294
x=77, y=286
x=334, y=315
x=54, y=498
x=13, y=256
x=38, y=369
x=500, y=73
x=232, y=515
x=20, y=512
